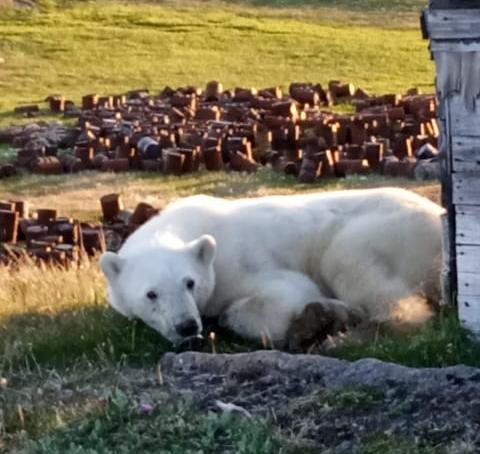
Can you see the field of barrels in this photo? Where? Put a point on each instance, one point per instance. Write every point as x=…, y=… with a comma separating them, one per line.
x=184, y=130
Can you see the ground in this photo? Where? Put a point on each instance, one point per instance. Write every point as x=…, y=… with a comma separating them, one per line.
x=63, y=352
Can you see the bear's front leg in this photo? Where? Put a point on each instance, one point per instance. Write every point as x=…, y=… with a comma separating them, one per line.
x=277, y=306
x=266, y=304
x=320, y=319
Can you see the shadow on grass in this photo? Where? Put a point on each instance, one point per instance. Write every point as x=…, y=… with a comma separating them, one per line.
x=96, y=334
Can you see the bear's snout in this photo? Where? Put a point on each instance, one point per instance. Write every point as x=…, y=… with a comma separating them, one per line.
x=187, y=328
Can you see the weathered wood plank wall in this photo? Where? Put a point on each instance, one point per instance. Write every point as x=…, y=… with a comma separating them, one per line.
x=468, y=231
x=466, y=154
x=454, y=24
x=465, y=157
x=453, y=27
x=465, y=122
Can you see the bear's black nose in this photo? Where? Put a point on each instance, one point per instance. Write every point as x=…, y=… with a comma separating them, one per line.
x=187, y=328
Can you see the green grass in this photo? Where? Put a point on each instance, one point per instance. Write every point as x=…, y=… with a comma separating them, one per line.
x=6, y=154
x=441, y=342
x=89, y=335
x=361, y=397
x=110, y=47
x=170, y=428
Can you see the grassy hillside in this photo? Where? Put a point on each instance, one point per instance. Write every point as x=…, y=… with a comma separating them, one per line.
x=108, y=47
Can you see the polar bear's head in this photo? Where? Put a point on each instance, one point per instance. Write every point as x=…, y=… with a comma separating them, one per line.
x=163, y=285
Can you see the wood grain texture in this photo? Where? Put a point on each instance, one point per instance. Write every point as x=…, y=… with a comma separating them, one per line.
x=469, y=312
x=464, y=123
x=453, y=24
x=469, y=284
x=466, y=188
x=466, y=154
x=468, y=259
x=467, y=225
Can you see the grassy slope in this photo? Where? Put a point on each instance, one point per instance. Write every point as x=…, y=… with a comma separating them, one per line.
x=110, y=47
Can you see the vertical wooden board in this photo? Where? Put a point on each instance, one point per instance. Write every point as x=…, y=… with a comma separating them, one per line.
x=464, y=121
x=466, y=189
x=449, y=271
x=467, y=224
x=466, y=154
x=469, y=312
x=446, y=277
x=468, y=259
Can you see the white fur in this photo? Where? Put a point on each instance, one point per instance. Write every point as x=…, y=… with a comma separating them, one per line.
x=266, y=258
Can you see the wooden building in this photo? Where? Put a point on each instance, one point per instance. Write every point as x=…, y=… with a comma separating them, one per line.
x=453, y=28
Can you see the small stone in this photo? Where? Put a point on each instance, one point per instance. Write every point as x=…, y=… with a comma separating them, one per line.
x=345, y=447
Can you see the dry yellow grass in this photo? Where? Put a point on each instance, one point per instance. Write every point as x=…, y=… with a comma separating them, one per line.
x=47, y=290
x=47, y=313
x=78, y=195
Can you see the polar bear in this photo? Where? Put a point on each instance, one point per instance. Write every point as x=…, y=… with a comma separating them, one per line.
x=258, y=264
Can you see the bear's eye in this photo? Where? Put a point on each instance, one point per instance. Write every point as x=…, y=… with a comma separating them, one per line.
x=151, y=295
x=190, y=283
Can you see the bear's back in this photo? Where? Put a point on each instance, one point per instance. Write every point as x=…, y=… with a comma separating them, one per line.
x=193, y=216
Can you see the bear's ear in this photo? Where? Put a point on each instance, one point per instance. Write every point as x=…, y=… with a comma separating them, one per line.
x=203, y=249
x=111, y=265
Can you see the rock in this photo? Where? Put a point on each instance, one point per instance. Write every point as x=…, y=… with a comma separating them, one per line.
x=427, y=169
x=346, y=447
x=8, y=134
x=34, y=139
x=335, y=404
